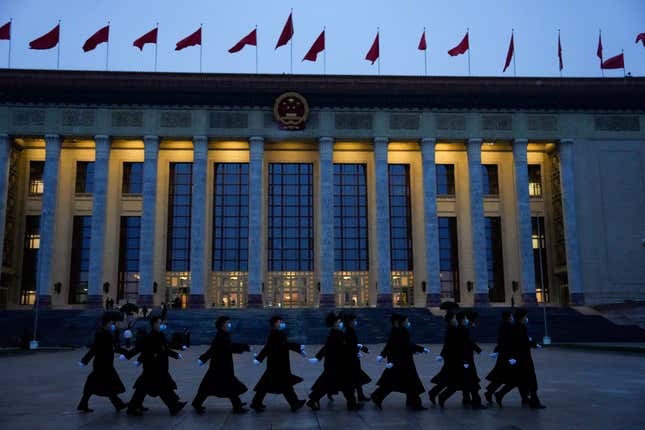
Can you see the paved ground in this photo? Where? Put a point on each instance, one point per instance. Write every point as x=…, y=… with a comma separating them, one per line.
x=583, y=390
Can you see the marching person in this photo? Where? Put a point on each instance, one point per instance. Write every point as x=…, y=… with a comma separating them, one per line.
x=220, y=380
x=502, y=372
x=155, y=380
x=524, y=369
x=452, y=368
x=356, y=353
x=400, y=374
x=277, y=378
x=103, y=380
x=337, y=375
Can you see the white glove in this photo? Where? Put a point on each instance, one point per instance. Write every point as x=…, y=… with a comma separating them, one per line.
x=538, y=346
x=122, y=357
x=179, y=356
x=493, y=355
x=512, y=361
x=200, y=362
x=379, y=358
x=127, y=334
x=426, y=351
x=255, y=354
x=81, y=365
x=530, y=339
x=184, y=347
x=438, y=358
x=136, y=364
x=389, y=365
x=359, y=355
x=466, y=365
x=313, y=360
x=302, y=348
x=256, y=362
x=359, y=345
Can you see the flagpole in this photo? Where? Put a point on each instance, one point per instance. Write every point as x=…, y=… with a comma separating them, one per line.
x=468, y=33
x=107, y=48
x=58, y=48
x=200, y=46
x=559, y=53
x=291, y=40
x=602, y=71
x=9, y=53
x=425, y=54
x=256, y=49
x=156, y=45
x=513, y=37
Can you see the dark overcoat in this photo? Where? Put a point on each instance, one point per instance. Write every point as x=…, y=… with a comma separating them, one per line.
x=155, y=378
x=103, y=380
x=359, y=376
x=403, y=376
x=220, y=380
x=277, y=377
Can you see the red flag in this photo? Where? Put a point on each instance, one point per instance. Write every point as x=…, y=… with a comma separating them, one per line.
x=149, y=37
x=316, y=48
x=249, y=39
x=192, y=40
x=99, y=37
x=599, y=50
x=617, y=62
x=422, y=42
x=373, y=53
x=5, y=31
x=47, y=40
x=287, y=33
x=509, y=54
x=641, y=38
x=560, y=53
x=461, y=48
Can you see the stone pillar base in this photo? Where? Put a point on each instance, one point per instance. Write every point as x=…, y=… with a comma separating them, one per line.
x=433, y=300
x=196, y=301
x=145, y=300
x=94, y=301
x=44, y=301
x=577, y=299
x=254, y=301
x=384, y=300
x=529, y=299
x=327, y=301
x=481, y=299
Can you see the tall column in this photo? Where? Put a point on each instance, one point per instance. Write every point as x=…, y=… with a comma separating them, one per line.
x=430, y=222
x=574, y=272
x=5, y=150
x=97, y=234
x=384, y=272
x=198, y=239
x=326, y=221
x=525, y=231
x=478, y=232
x=148, y=218
x=48, y=219
x=256, y=201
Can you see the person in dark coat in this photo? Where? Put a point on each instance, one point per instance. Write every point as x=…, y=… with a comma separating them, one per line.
x=357, y=350
x=220, y=380
x=503, y=371
x=452, y=368
x=277, y=378
x=467, y=379
x=400, y=374
x=337, y=375
x=103, y=380
x=525, y=378
x=155, y=380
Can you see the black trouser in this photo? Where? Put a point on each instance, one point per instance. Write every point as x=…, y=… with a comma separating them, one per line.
x=201, y=397
x=411, y=399
x=473, y=392
x=494, y=386
x=116, y=401
x=348, y=393
x=527, y=395
x=289, y=394
x=169, y=398
x=434, y=391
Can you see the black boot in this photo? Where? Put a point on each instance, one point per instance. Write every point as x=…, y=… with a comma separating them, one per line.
x=313, y=404
x=489, y=396
x=498, y=399
x=295, y=407
x=198, y=408
x=377, y=400
x=177, y=408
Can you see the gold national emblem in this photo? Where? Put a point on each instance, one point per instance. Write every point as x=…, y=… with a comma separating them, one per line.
x=291, y=111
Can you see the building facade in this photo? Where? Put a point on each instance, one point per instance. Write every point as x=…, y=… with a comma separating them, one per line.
x=234, y=191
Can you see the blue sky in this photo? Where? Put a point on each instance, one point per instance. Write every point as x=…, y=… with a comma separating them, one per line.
x=350, y=29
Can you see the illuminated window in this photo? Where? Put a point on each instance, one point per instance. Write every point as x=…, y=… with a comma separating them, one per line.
x=80, y=261
x=445, y=180
x=132, y=178
x=535, y=180
x=84, y=177
x=540, y=260
x=490, y=181
x=36, y=170
x=30, y=260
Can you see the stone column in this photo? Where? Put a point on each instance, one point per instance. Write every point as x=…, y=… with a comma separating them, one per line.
x=430, y=222
x=525, y=231
x=567, y=179
x=478, y=232
x=256, y=201
x=384, y=271
x=5, y=151
x=97, y=234
x=148, y=218
x=326, y=221
x=198, y=240
x=48, y=219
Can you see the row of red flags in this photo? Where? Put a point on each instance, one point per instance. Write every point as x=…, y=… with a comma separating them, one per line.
x=52, y=38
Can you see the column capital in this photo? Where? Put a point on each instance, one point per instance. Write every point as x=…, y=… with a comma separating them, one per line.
x=52, y=137
x=427, y=141
x=200, y=139
x=381, y=140
x=4, y=137
x=102, y=144
x=566, y=141
x=255, y=140
x=5, y=144
x=200, y=147
x=326, y=147
x=474, y=141
x=520, y=141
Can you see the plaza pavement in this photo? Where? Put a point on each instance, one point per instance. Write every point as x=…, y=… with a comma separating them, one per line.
x=582, y=389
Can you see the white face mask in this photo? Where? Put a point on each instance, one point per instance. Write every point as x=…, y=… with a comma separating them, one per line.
x=526, y=320
x=229, y=326
x=453, y=322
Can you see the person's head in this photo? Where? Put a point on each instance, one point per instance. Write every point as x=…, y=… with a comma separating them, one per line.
x=334, y=321
x=450, y=318
x=107, y=322
x=223, y=323
x=462, y=319
x=521, y=316
x=157, y=323
x=350, y=320
x=404, y=321
x=277, y=322
x=395, y=320
x=472, y=316
x=507, y=316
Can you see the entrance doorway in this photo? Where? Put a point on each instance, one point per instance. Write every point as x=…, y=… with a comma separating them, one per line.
x=229, y=289
x=351, y=289
x=291, y=290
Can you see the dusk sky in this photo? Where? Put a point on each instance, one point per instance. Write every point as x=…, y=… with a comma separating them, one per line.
x=350, y=29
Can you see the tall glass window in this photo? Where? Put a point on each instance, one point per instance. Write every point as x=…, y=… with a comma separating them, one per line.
x=401, y=234
x=84, y=177
x=230, y=234
x=351, y=249
x=539, y=260
x=130, y=236
x=494, y=259
x=535, y=180
x=490, y=181
x=36, y=184
x=132, y=178
x=445, y=179
x=80, y=261
x=449, y=258
x=178, y=236
x=30, y=260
